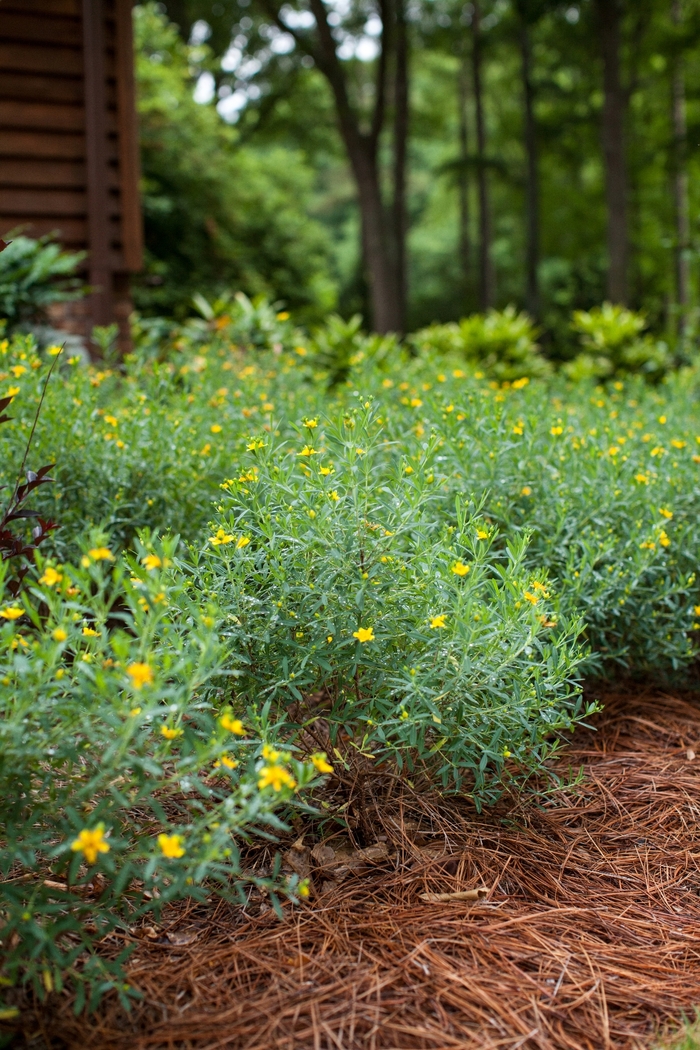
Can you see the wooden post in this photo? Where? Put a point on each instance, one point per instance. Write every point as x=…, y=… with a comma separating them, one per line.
x=100, y=270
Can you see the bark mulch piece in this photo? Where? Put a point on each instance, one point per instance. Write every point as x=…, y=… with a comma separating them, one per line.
x=589, y=938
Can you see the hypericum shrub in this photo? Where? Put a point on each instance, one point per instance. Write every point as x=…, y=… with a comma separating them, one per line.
x=613, y=346
x=127, y=774
x=339, y=576
x=501, y=344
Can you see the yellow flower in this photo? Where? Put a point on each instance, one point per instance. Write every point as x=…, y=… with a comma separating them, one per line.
x=663, y=539
x=89, y=632
x=668, y=514
x=526, y=491
x=408, y=469
x=135, y=711
x=221, y=537
x=268, y=406
x=13, y=391
x=678, y=444
x=540, y=588
x=307, y=451
x=658, y=451
x=325, y=471
x=303, y=889
x=333, y=495
x=517, y=430
x=242, y=541
x=140, y=675
x=364, y=634
x=320, y=763
x=531, y=597
x=506, y=752
x=171, y=846
x=641, y=479
x=460, y=569
x=269, y=753
x=152, y=561
x=518, y=384
x=112, y=420
x=91, y=843
x=360, y=451
x=482, y=534
x=11, y=612
x=18, y=370
x=697, y=610
x=416, y=402
x=234, y=725
x=556, y=431
x=216, y=428
x=54, y=351
x=387, y=384
x=230, y=763
x=662, y=419
x=170, y=733
x=255, y=444
x=276, y=777
x=458, y=373
x=283, y=316
x=311, y=423
x=613, y=450
x=438, y=621
x=59, y=635
x=101, y=554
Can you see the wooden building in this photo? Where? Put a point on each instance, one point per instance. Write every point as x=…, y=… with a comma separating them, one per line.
x=69, y=145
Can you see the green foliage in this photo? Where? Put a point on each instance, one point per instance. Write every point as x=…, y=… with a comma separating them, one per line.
x=501, y=344
x=218, y=214
x=426, y=560
x=340, y=575
x=126, y=778
x=254, y=325
x=687, y=1038
x=614, y=346
x=33, y=275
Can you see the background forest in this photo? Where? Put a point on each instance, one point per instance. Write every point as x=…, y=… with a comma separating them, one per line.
x=507, y=151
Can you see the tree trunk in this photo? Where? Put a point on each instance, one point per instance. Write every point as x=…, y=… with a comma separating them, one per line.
x=376, y=242
x=400, y=145
x=614, y=149
x=532, y=189
x=486, y=275
x=680, y=183
x=465, y=245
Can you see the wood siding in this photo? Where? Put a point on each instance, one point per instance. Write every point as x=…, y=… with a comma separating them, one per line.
x=68, y=135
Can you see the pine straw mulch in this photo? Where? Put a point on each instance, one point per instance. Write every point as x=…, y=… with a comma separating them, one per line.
x=589, y=938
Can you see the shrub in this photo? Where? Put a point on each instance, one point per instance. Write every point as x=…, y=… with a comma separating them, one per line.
x=33, y=275
x=614, y=346
x=339, y=575
x=501, y=344
x=127, y=775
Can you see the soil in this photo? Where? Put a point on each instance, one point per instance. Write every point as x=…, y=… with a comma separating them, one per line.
x=587, y=939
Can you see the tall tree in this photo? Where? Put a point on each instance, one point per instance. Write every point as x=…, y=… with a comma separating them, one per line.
x=400, y=143
x=487, y=282
x=613, y=134
x=362, y=140
x=465, y=245
x=532, y=181
x=680, y=177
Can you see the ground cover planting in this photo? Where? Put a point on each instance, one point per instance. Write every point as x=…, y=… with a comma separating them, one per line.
x=285, y=571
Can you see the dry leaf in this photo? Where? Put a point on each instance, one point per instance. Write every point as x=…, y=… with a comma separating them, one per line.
x=690, y=754
x=323, y=855
x=181, y=939
x=477, y=894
